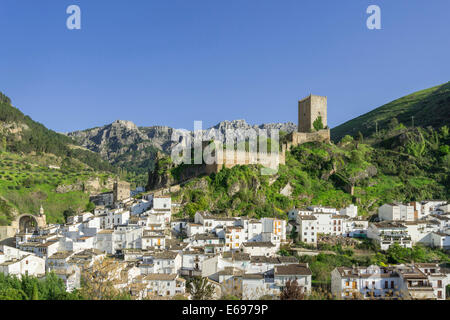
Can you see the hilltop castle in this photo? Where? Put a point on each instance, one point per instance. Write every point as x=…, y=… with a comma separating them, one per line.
x=312, y=122
x=312, y=127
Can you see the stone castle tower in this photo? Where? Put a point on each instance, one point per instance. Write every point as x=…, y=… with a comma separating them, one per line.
x=309, y=109
x=121, y=191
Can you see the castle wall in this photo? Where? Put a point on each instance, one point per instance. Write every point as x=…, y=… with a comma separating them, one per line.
x=298, y=138
x=239, y=157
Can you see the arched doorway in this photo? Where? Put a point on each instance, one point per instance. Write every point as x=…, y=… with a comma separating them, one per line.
x=28, y=223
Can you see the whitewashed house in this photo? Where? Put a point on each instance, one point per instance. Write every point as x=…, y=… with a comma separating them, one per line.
x=355, y=228
x=59, y=260
x=396, y=212
x=259, y=248
x=351, y=211
x=167, y=262
x=234, y=237
x=30, y=265
x=365, y=282
x=307, y=229
x=194, y=228
x=387, y=233
x=299, y=272
x=440, y=240
x=140, y=207
x=70, y=276
x=153, y=241
x=165, y=285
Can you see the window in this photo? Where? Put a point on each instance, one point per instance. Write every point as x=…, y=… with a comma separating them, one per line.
x=386, y=284
x=439, y=284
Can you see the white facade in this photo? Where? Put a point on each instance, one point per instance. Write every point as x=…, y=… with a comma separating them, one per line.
x=365, y=282
x=388, y=233
x=307, y=229
x=162, y=203
x=254, y=248
x=164, y=285
x=396, y=212
x=27, y=265
x=351, y=211
x=140, y=207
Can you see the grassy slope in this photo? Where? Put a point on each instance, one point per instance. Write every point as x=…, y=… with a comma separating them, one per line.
x=26, y=183
x=430, y=107
x=379, y=176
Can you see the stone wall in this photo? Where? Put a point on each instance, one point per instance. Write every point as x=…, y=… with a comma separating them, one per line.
x=297, y=138
x=239, y=157
x=7, y=232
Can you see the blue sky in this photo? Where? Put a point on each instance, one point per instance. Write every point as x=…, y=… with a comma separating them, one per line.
x=170, y=62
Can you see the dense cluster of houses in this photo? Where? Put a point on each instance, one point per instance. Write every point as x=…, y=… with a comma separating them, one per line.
x=417, y=281
x=426, y=222
x=238, y=255
x=156, y=254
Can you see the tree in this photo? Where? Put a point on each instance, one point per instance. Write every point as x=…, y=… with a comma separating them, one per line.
x=12, y=294
x=360, y=139
x=393, y=123
x=318, y=124
x=35, y=293
x=90, y=207
x=200, y=288
x=292, y=291
x=444, y=132
x=68, y=213
x=99, y=282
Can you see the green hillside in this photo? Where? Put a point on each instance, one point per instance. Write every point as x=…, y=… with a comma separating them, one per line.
x=413, y=164
x=41, y=167
x=20, y=134
x=429, y=107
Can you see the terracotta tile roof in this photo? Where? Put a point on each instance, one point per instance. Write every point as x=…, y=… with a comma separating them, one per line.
x=293, y=269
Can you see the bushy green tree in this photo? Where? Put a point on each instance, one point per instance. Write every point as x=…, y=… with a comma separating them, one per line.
x=318, y=124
